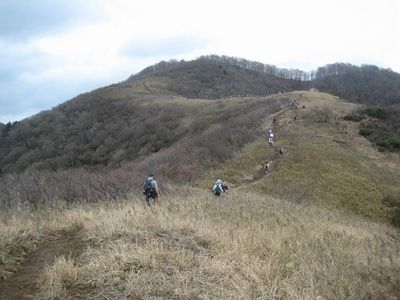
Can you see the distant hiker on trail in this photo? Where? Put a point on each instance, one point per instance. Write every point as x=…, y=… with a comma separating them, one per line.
x=281, y=151
x=217, y=189
x=266, y=167
x=150, y=189
x=270, y=137
x=294, y=102
x=225, y=187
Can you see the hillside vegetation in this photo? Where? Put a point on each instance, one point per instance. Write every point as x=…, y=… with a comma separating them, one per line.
x=185, y=138
x=215, y=79
x=366, y=84
x=93, y=131
x=379, y=125
x=326, y=162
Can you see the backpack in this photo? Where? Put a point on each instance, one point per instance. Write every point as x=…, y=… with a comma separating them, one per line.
x=148, y=188
x=217, y=189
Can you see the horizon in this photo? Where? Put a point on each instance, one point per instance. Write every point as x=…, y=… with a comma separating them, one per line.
x=54, y=51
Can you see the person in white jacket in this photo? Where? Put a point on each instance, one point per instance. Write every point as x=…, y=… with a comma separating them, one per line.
x=217, y=189
x=270, y=137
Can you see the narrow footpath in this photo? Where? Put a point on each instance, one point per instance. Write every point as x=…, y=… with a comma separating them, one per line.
x=23, y=283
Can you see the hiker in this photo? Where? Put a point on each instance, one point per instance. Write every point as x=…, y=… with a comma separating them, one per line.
x=266, y=167
x=150, y=189
x=217, y=189
x=225, y=187
x=271, y=137
x=281, y=151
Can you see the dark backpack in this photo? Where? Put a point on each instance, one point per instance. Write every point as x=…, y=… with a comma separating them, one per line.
x=217, y=190
x=148, y=188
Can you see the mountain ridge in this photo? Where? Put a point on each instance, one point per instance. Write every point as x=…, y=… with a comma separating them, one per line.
x=97, y=128
x=367, y=84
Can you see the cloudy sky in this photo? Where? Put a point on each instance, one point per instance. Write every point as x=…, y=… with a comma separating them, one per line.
x=52, y=50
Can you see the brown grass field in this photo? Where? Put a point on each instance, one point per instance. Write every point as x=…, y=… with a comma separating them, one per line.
x=194, y=246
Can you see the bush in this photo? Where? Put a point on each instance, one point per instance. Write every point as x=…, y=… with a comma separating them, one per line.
x=366, y=131
x=384, y=130
x=396, y=217
x=391, y=201
x=354, y=117
x=377, y=112
x=322, y=115
x=395, y=142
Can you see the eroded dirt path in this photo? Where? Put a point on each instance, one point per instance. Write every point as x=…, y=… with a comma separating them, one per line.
x=23, y=283
x=274, y=123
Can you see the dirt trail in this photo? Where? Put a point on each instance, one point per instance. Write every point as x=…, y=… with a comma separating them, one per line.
x=23, y=283
x=259, y=172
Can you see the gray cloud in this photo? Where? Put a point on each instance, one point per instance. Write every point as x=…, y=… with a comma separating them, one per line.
x=20, y=98
x=16, y=60
x=168, y=47
x=22, y=19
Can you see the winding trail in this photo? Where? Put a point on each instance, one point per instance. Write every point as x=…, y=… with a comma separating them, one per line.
x=259, y=172
x=23, y=283
x=276, y=127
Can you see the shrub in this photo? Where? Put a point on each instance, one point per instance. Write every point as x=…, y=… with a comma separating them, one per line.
x=396, y=217
x=322, y=115
x=366, y=131
x=395, y=142
x=354, y=117
x=377, y=112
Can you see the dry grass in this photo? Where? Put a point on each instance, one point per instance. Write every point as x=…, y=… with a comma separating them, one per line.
x=194, y=246
x=326, y=166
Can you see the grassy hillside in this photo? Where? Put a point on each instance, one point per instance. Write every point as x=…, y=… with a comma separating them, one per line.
x=317, y=227
x=112, y=127
x=179, y=142
x=327, y=163
x=194, y=246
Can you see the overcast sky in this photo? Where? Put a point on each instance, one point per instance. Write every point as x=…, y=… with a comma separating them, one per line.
x=52, y=50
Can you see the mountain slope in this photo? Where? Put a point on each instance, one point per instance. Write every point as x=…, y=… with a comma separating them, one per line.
x=325, y=163
x=366, y=84
x=210, y=79
x=98, y=132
